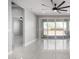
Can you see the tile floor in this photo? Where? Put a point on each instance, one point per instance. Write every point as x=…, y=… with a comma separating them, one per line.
x=36, y=51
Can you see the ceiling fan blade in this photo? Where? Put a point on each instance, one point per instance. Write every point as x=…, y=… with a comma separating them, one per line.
x=62, y=10
x=61, y=4
x=64, y=7
x=58, y=12
x=45, y=5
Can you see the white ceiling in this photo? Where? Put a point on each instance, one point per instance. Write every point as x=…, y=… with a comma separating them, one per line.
x=36, y=7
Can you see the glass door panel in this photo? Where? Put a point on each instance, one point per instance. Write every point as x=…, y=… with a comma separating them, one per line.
x=51, y=28
x=45, y=29
x=55, y=28
x=59, y=29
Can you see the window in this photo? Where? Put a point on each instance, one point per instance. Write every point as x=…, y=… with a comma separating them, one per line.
x=54, y=28
x=60, y=28
x=48, y=28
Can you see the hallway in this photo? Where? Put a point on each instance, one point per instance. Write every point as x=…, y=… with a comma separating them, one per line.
x=37, y=50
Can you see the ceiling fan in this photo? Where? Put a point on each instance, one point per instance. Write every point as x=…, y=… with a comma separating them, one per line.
x=57, y=8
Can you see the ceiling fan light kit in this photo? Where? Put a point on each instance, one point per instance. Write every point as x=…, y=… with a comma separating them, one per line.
x=57, y=8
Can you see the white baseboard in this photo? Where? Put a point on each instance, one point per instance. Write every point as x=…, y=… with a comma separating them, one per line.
x=9, y=53
x=28, y=43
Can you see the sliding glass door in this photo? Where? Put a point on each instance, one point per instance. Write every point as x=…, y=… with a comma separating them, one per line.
x=55, y=35
x=56, y=28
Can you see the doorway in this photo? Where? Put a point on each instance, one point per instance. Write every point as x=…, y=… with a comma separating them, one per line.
x=17, y=23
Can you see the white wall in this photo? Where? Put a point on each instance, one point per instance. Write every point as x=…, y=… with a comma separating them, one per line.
x=30, y=27
x=10, y=36
x=17, y=12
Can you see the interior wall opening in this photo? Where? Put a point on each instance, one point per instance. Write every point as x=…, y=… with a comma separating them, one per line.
x=17, y=25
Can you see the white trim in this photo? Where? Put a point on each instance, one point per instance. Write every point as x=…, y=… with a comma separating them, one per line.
x=28, y=43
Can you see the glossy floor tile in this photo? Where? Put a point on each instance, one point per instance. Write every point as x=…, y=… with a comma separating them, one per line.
x=17, y=41
x=36, y=50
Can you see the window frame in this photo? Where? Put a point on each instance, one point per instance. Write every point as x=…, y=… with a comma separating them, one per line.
x=56, y=20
